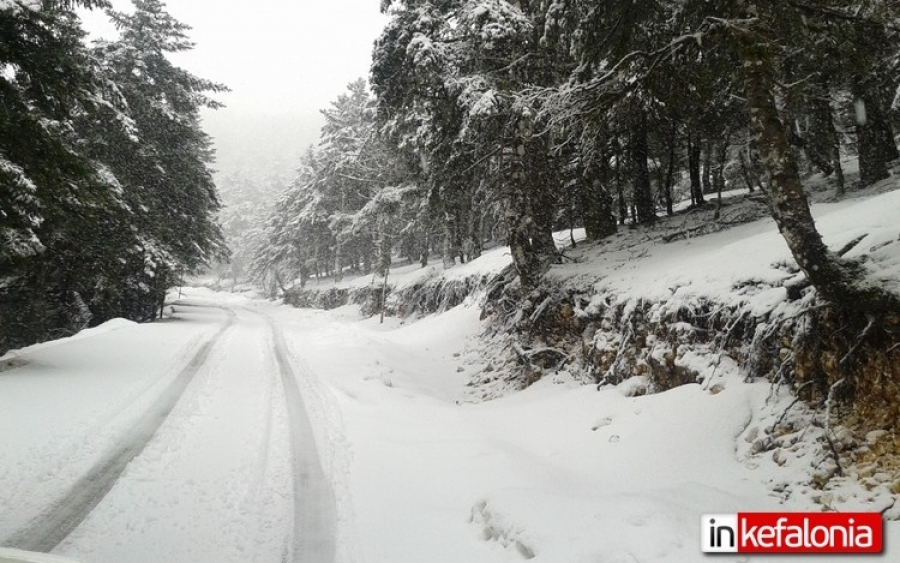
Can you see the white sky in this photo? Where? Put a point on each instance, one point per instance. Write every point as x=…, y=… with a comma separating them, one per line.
x=284, y=61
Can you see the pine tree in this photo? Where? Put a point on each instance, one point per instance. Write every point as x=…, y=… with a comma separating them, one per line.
x=109, y=188
x=60, y=211
x=451, y=80
x=163, y=157
x=351, y=202
x=165, y=101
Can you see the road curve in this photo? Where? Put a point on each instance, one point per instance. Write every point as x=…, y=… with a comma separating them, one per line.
x=49, y=529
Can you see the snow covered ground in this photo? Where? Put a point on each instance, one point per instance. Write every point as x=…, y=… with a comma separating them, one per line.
x=561, y=472
x=211, y=481
x=557, y=473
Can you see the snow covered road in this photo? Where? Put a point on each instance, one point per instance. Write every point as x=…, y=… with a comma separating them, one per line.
x=56, y=524
x=185, y=440
x=316, y=437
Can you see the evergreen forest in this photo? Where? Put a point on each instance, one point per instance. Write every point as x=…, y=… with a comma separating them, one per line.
x=492, y=121
x=107, y=195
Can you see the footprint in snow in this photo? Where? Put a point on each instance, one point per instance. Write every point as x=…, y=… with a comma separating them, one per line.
x=602, y=423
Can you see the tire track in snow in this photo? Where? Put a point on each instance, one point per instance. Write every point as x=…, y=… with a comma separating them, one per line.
x=47, y=531
x=63, y=453
x=315, y=509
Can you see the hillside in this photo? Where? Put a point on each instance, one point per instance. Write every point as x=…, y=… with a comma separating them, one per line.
x=686, y=334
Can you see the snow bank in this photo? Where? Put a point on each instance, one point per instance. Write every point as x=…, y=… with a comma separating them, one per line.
x=745, y=266
x=16, y=556
x=70, y=401
x=108, y=326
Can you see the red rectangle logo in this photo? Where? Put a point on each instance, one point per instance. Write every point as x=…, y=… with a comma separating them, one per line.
x=792, y=532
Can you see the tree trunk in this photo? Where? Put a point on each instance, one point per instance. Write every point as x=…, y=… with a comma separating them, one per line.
x=872, y=165
x=425, y=251
x=707, y=168
x=385, y=255
x=520, y=219
x=840, y=183
x=670, y=173
x=620, y=196
x=694, y=155
x=645, y=210
x=834, y=279
x=338, y=260
x=745, y=170
x=473, y=245
x=828, y=134
x=874, y=137
x=477, y=234
x=821, y=135
x=719, y=176
x=448, y=253
x=596, y=205
x=719, y=166
x=525, y=259
x=621, y=204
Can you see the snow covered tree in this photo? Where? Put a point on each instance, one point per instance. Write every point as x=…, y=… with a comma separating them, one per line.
x=451, y=79
x=172, y=178
x=61, y=213
x=48, y=78
x=836, y=280
x=106, y=186
x=626, y=48
x=247, y=197
x=352, y=200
